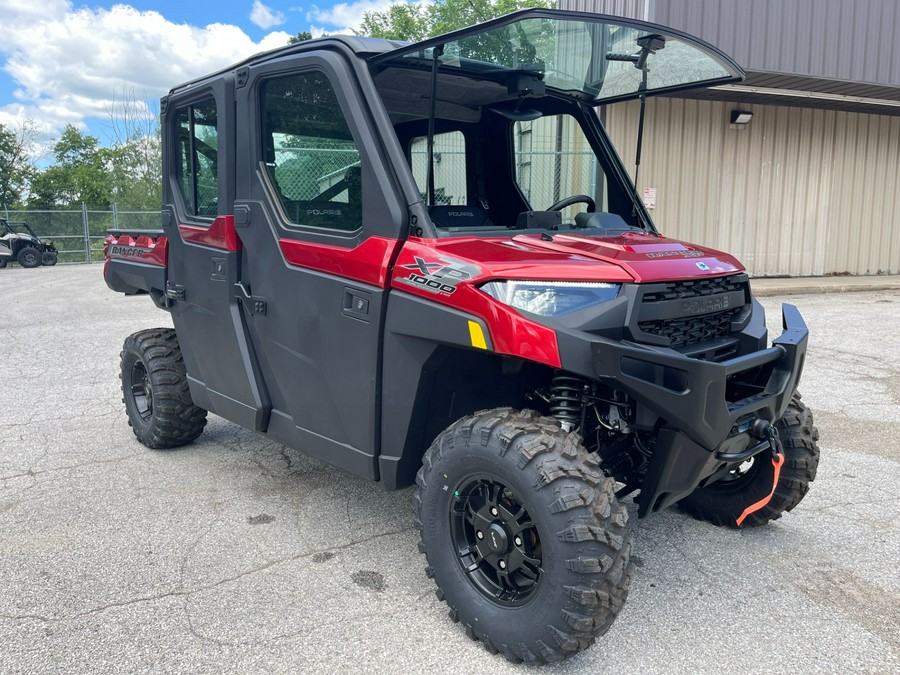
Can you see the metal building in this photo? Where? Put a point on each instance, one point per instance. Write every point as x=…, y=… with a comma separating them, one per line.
x=810, y=185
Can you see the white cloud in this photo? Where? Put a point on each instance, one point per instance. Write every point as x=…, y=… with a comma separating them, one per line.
x=71, y=63
x=345, y=17
x=265, y=17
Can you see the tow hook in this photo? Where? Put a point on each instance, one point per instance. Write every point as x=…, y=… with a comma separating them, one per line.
x=765, y=431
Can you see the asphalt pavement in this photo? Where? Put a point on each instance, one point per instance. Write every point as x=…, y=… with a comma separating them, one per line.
x=237, y=555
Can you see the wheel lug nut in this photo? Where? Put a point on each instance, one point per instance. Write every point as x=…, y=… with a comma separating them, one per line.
x=479, y=534
x=502, y=564
x=518, y=541
x=494, y=511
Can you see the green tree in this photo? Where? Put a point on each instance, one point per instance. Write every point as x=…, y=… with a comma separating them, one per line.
x=16, y=164
x=80, y=173
x=404, y=21
x=302, y=36
x=135, y=173
x=415, y=22
x=135, y=166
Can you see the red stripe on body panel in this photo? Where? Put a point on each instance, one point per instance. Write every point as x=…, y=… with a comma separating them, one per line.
x=221, y=234
x=367, y=263
x=510, y=332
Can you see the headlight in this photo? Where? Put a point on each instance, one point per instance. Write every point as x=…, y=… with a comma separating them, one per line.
x=551, y=298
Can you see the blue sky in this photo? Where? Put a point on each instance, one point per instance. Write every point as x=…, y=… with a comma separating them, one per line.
x=70, y=62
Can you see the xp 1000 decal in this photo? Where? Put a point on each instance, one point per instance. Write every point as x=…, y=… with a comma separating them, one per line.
x=440, y=277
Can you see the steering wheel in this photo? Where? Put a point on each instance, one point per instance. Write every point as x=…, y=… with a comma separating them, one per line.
x=574, y=199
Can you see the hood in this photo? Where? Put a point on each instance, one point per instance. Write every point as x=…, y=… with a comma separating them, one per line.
x=637, y=257
x=646, y=258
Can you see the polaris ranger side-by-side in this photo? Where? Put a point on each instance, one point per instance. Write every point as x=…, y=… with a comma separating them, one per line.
x=426, y=264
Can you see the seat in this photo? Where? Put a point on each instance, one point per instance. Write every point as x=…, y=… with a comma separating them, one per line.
x=457, y=217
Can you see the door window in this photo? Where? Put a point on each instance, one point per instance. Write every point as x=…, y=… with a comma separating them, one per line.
x=311, y=159
x=197, y=158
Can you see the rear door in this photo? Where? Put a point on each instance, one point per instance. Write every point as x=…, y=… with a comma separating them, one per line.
x=204, y=254
x=319, y=215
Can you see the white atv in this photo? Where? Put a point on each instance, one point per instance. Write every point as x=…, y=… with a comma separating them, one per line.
x=19, y=242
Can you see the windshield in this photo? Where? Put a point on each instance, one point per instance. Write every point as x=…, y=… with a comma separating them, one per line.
x=19, y=228
x=595, y=57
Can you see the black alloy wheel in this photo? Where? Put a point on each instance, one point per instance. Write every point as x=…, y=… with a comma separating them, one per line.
x=29, y=257
x=523, y=535
x=740, y=476
x=496, y=541
x=726, y=501
x=141, y=392
x=155, y=390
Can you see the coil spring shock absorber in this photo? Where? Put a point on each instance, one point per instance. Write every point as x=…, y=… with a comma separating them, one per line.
x=567, y=400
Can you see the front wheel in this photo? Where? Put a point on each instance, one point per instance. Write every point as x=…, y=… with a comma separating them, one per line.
x=29, y=257
x=156, y=394
x=3, y=262
x=49, y=258
x=728, y=501
x=523, y=535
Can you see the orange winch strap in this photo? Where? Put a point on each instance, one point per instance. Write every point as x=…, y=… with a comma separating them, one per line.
x=777, y=461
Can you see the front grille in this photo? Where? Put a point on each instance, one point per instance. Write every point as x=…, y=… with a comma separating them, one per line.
x=691, y=311
x=679, y=290
x=693, y=329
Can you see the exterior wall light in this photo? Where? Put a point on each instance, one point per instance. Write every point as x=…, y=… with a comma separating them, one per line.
x=741, y=117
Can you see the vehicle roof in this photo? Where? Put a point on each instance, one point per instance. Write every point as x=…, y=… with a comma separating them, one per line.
x=519, y=43
x=356, y=44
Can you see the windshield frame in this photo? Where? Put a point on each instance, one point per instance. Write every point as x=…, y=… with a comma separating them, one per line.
x=395, y=57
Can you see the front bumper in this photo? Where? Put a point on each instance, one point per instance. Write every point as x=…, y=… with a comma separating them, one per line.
x=704, y=430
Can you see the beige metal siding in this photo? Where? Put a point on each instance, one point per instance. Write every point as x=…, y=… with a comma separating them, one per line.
x=636, y=9
x=798, y=192
x=838, y=39
x=850, y=40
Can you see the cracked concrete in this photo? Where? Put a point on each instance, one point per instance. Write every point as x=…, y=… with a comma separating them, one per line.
x=237, y=555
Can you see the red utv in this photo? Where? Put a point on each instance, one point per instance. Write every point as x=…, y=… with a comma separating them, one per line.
x=425, y=263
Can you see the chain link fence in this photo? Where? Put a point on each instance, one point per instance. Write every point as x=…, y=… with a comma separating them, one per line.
x=553, y=160
x=79, y=234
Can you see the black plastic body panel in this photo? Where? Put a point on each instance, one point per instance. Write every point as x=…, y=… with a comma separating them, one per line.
x=319, y=342
x=415, y=329
x=690, y=393
x=221, y=366
x=133, y=278
x=691, y=396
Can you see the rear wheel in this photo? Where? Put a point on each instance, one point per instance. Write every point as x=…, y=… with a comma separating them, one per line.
x=3, y=262
x=523, y=535
x=49, y=258
x=725, y=501
x=29, y=257
x=156, y=395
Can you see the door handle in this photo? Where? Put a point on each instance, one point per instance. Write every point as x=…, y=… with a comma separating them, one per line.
x=356, y=304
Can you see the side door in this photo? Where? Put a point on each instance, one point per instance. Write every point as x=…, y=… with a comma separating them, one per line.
x=204, y=254
x=320, y=217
